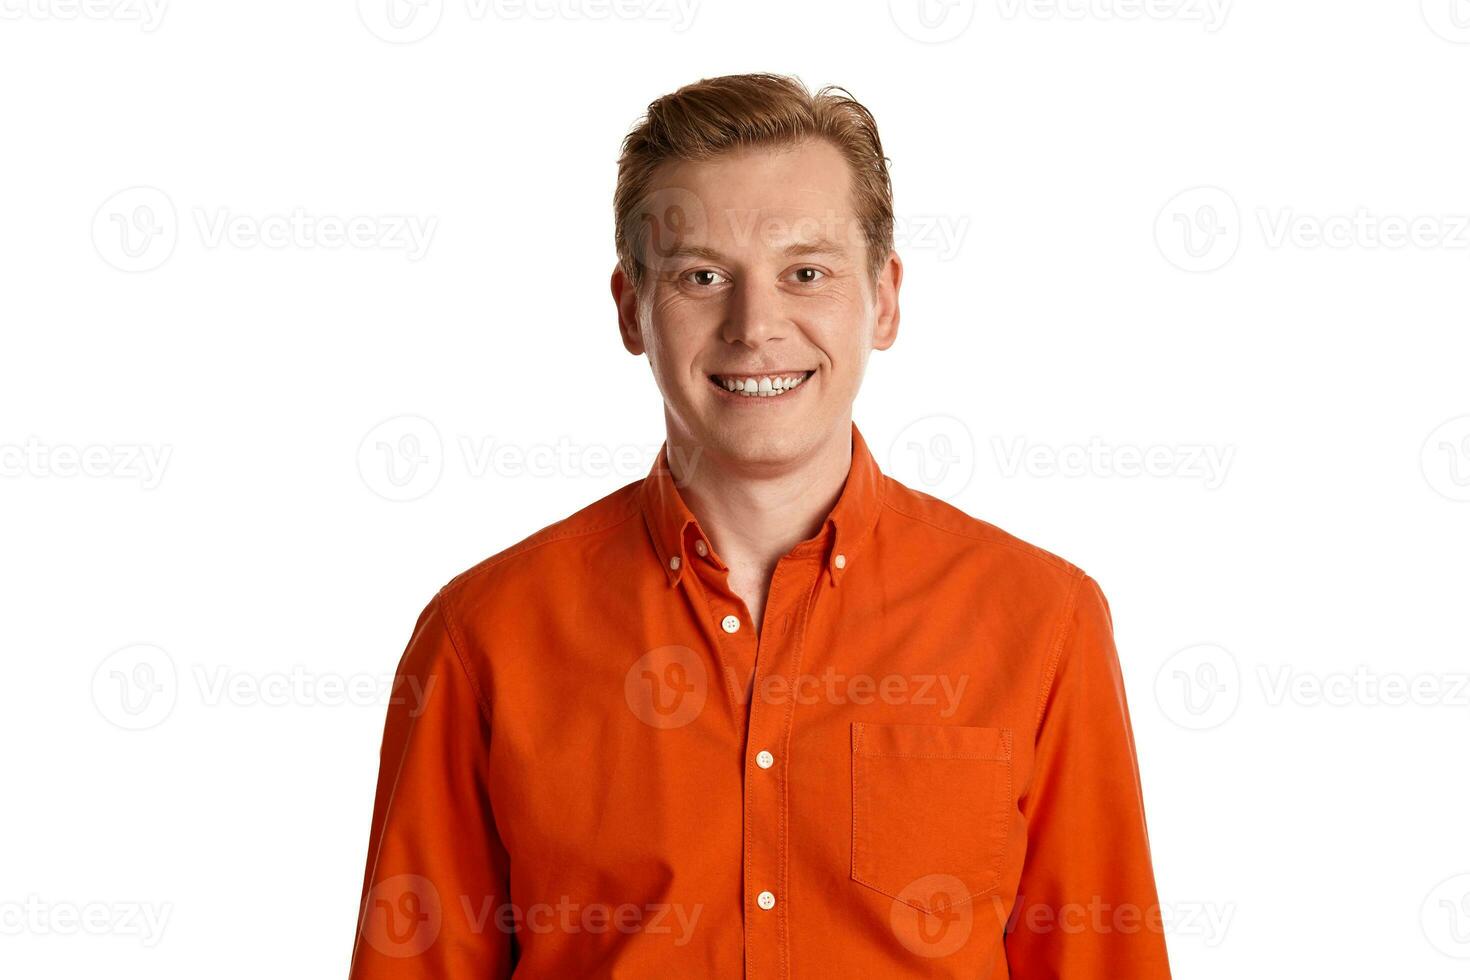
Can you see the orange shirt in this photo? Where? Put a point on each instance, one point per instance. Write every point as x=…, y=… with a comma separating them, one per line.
x=921, y=767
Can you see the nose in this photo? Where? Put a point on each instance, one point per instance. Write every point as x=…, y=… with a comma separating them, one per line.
x=755, y=314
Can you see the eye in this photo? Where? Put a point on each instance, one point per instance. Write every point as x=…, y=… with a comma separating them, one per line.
x=808, y=274
x=703, y=277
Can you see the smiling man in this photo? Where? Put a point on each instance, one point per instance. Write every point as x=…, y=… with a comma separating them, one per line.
x=766, y=712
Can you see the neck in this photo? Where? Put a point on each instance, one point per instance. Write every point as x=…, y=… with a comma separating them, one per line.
x=754, y=514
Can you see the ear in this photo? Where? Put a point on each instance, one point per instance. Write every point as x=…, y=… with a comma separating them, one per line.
x=625, y=297
x=890, y=277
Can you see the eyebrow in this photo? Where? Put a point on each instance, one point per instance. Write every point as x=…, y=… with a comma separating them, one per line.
x=817, y=246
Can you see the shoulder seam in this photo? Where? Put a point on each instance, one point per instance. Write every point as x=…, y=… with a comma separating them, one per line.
x=456, y=643
x=540, y=538
x=1015, y=545
x=1063, y=633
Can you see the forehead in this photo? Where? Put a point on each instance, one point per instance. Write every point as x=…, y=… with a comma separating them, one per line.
x=769, y=194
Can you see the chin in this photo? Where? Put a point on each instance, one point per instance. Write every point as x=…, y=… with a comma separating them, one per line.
x=760, y=444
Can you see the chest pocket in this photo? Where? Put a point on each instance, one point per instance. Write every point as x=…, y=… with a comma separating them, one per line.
x=930, y=803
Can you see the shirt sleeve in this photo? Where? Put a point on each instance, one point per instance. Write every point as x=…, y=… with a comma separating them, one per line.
x=1086, y=907
x=436, y=870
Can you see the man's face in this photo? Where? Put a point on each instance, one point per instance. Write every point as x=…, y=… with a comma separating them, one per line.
x=756, y=280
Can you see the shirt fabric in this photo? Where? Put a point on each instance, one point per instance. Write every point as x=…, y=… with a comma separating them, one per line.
x=923, y=766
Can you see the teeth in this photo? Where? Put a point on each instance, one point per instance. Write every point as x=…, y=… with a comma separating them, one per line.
x=761, y=387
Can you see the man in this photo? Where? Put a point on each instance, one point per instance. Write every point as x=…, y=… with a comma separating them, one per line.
x=767, y=712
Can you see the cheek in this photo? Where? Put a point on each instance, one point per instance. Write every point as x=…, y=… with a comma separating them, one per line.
x=677, y=334
x=839, y=322
x=843, y=341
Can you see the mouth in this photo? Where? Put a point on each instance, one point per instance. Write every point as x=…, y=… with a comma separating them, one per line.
x=775, y=384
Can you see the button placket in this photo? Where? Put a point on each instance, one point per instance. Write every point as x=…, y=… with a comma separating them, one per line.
x=770, y=717
x=712, y=604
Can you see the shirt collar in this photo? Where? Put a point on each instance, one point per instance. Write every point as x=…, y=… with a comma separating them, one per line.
x=675, y=530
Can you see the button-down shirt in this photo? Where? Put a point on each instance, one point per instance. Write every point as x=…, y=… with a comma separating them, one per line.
x=921, y=764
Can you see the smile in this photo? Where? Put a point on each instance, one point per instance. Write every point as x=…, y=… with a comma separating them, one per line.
x=760, y=385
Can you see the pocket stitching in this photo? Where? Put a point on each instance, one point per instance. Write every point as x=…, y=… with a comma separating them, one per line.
x=1001, y=820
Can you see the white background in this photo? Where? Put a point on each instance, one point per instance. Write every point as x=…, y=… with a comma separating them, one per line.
x=1200, y=231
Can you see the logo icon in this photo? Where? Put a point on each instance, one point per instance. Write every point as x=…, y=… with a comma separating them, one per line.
x=935, y=454
x=1445, y=459
x=400, y=21
x=932, y=21
x=665, y=218
x=667, y=687
x=136, y=687
x=402, y=916
x=1445, y=917
x=1199, y=687
x=1450, y=19
x=1199, y=229
x=402, y=458
x=135, y=230
x=945, y=927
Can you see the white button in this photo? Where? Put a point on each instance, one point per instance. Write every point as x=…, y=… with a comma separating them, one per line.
x=840, y=561
x=701, y=547
x=730, y=624
x=764, y=759
x=674, y=563
x=766, y=900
